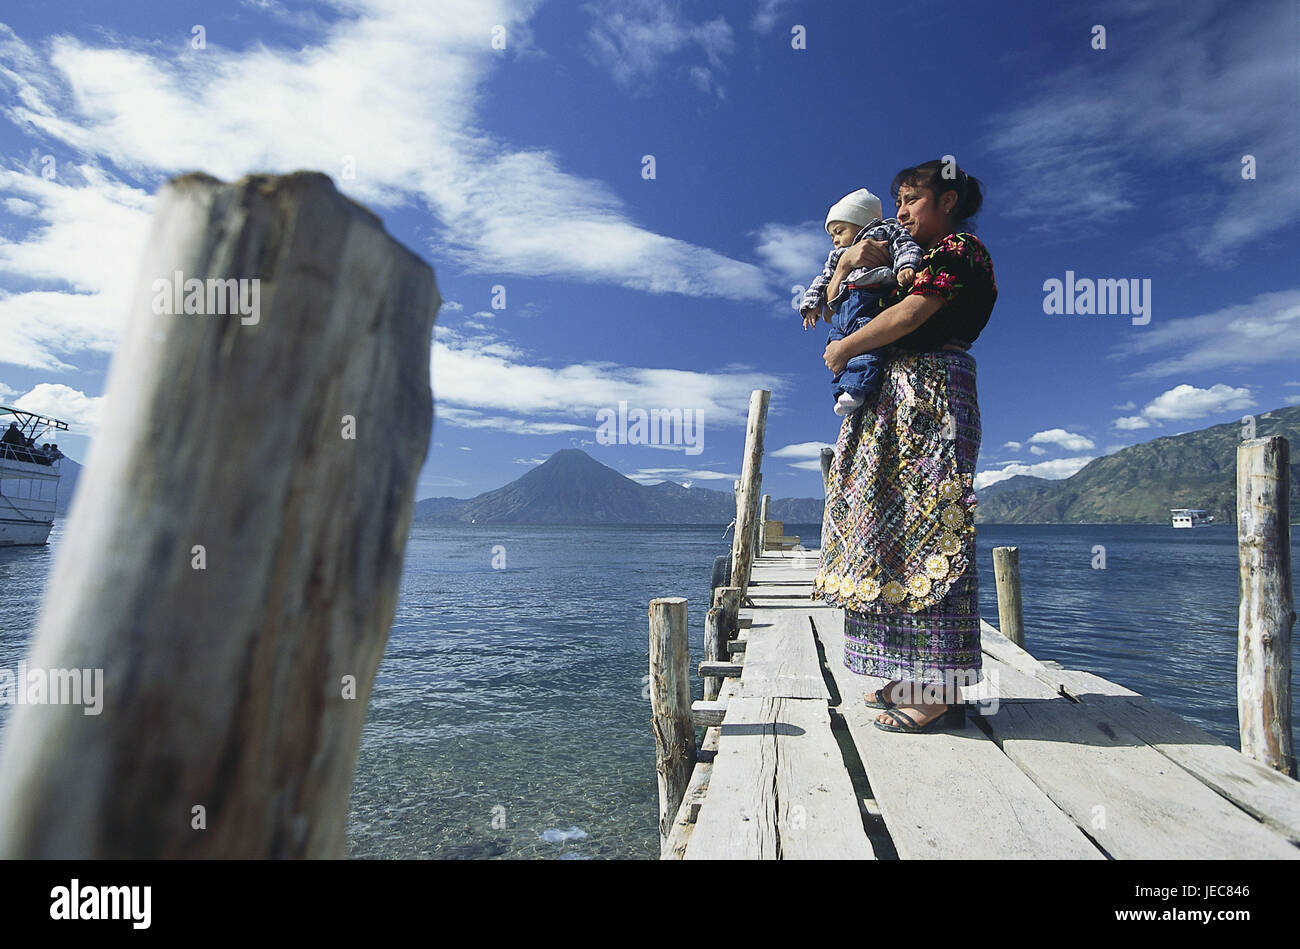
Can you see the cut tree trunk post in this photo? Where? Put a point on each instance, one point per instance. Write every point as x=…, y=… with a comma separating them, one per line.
x=726, y=603
x=1267, y=609
x=233, y=554
x=762, y=526
x=670, y=707
x=1006, y=574
x=742, y=554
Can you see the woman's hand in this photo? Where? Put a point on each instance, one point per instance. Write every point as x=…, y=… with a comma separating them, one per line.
x=835, y=357
x=865, y=253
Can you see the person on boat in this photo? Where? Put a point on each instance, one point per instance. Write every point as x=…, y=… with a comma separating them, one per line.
x=13, y=436
x=898, y=535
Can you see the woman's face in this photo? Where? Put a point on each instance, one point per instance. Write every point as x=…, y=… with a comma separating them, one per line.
x=925, y=218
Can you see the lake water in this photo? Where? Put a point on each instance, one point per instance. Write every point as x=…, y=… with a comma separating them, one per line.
x=508, y=719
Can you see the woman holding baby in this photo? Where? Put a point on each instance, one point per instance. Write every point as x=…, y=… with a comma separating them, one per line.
x=898, y=535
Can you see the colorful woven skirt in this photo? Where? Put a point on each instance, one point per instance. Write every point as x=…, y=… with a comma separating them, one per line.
x=898, y=534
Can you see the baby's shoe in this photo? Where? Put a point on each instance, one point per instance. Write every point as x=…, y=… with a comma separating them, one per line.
x=847, y=403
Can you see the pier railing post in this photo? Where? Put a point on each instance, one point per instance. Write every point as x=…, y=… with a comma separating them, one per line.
x=762, y=527
x=742, y=553
x=720, y=626
x=670, y=707
x=1006, y=574
x=1267, y=609
x=235, y=546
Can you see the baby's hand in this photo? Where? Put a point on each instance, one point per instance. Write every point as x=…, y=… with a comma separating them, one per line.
x=810, y=316
x=906, y=276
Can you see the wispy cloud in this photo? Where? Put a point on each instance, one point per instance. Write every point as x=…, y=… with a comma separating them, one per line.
x=1090, y=139
x=387, y=90
x=634, y=39
x=475, y=378
x=1260, y=331
x=1055, y=469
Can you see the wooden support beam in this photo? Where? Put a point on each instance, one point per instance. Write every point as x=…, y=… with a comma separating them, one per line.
x=708, y=714
x=723, y=669
x=1006, y=574
x=670, y=706
x=236, y=543
x=1267, y=610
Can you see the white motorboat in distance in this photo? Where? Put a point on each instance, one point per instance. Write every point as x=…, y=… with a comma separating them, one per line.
x=29, y=477
x=1189, y=517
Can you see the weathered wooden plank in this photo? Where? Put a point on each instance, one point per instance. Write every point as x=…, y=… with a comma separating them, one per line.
x=696, y=791
x=1004, y=683
x=721, y=669
x=779, y=789
x=235, y=547
x=781, y=658
x=1130, y=798
x=993, y=643
x=948, y=794
x=1259, y=790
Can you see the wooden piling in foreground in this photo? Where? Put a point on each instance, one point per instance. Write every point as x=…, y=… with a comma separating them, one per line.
x=670, y=706
x=1006, y=574
x=742, y=553
x=237, y=538
x=1267, y=609
x=762, y=526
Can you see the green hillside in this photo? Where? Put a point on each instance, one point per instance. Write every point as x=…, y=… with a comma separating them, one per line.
x=1139, y=484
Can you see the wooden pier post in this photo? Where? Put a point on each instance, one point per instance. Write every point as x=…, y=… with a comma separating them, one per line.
x=742, y=553
x=232, y=558
x=1267, y=607
x=670, y=706
x=1006, y=574
x=827, y=456
x=720, y=626
x=762, y=526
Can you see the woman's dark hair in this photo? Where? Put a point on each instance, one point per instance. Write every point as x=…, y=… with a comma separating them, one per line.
x=942, y=176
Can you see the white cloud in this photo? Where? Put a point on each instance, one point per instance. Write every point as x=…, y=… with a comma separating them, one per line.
x=1107, y=129
x=682, y=476
x=1036, y=450
x=801, y=450
x=1014, y=446
x=768, y=12
x=795, y=253
x=634, y=38
x=1292, y=399
x=1055, y=470
x=66, y=404
x=1131, y=423
x=481, y=374
x=1262, y=330
x=386, y=85
x=1059, y=436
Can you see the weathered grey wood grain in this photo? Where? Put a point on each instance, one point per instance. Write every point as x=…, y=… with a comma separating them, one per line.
x=670, y=706
x=779, y=789
x=1261, y=791
x=1130, y=798
x=1267, y=608
x=781, y=659
x=233, y=553
x=742, y=551
x=950, y=794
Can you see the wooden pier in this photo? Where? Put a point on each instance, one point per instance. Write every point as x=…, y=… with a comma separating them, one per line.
x=1055, y=764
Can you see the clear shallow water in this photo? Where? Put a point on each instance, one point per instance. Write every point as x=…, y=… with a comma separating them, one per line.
x=508, y=719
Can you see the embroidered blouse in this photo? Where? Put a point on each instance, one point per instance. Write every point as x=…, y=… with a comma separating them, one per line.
x=959, y=271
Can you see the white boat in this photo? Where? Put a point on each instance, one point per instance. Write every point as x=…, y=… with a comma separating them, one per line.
x=1188, y=517
x=29, y=477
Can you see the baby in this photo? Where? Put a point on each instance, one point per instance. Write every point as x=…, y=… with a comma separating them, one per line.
x=853, y=218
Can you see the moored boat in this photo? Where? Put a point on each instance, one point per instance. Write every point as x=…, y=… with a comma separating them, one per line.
x=29, y=477
x=1190, y=517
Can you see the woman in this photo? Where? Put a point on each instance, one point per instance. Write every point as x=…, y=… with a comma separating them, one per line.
x=898, y=537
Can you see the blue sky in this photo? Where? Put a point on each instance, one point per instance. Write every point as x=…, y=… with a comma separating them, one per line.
x=522, y=168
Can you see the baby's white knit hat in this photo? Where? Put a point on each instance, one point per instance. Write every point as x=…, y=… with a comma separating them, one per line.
x=860, y=208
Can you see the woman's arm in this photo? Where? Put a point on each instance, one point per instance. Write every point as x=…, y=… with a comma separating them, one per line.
x=891, y=324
